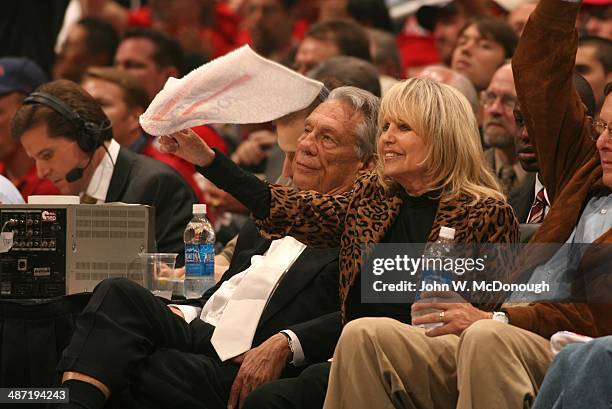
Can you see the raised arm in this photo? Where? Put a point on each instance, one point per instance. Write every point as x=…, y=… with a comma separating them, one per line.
x=543, y=67
x=313, y=218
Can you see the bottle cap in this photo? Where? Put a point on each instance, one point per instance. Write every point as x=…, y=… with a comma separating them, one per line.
x=447, y=233
x=199, y=209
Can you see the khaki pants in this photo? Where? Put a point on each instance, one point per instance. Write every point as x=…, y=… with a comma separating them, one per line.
x=381, y=363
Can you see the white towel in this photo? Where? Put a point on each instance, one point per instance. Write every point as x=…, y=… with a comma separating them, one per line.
x=235, y=330
x=238, y=88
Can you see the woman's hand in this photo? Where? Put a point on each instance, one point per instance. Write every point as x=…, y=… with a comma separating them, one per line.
x=187, y=145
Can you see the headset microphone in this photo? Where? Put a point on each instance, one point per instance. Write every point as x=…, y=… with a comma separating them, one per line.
x=77, y=173
x=74, y=175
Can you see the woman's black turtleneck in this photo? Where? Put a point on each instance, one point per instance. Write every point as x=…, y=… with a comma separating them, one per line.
x=412, y=225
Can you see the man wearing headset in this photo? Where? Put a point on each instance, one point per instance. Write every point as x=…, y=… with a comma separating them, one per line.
x=68, y=135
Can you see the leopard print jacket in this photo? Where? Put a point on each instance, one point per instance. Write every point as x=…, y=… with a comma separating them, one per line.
x=363, y=216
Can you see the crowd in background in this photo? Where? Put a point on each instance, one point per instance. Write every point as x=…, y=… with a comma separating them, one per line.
x=122, y=53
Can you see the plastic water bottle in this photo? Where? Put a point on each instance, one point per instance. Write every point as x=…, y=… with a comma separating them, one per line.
x=440, y=250
x=199, y=238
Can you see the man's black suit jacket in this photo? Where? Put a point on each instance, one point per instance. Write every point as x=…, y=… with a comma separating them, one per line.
x=306, y=300
x=142, y=180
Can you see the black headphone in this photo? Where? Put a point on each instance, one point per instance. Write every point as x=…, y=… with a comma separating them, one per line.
x=89, y=135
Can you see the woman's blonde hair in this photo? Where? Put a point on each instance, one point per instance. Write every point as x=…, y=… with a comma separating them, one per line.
x=443, y=117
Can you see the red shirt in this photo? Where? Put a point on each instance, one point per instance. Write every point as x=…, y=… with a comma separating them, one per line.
x=31, y=184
